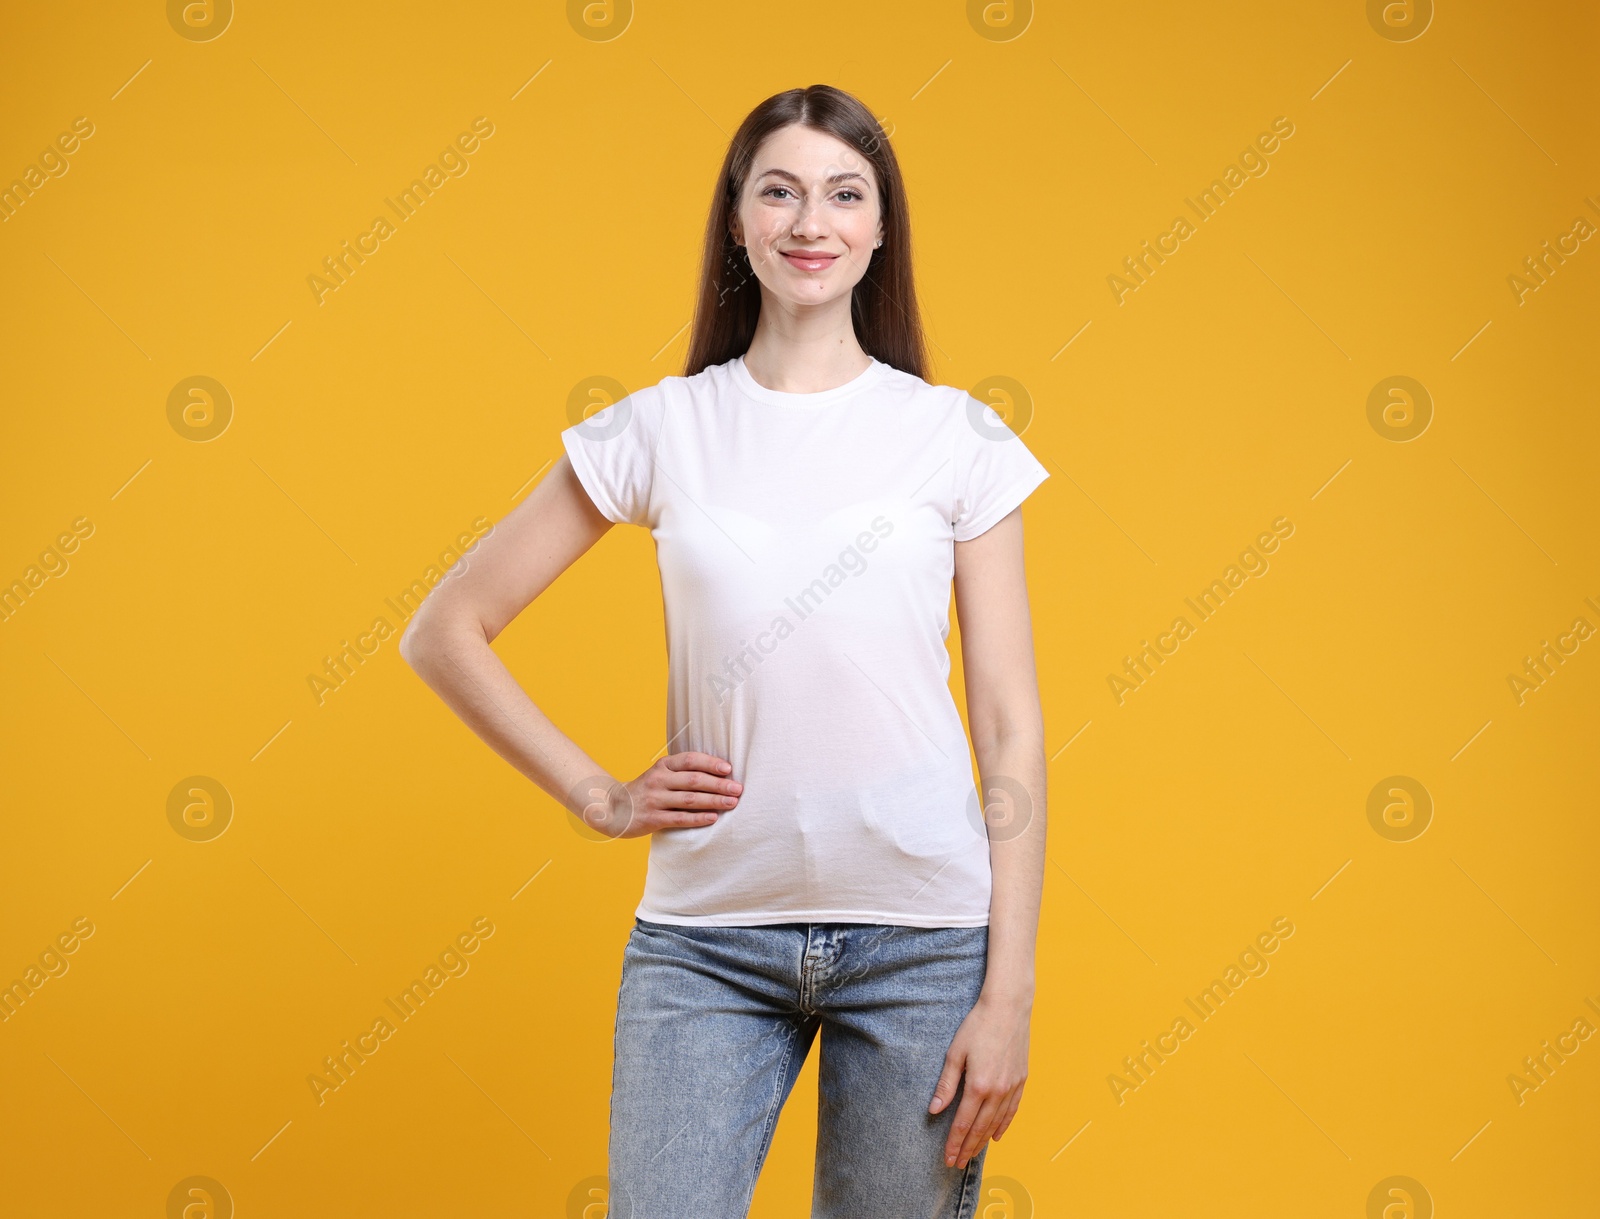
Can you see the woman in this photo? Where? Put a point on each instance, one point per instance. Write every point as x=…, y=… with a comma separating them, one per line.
x=819, y=858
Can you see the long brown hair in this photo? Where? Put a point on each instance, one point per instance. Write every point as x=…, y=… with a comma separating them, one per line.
x=883, y=304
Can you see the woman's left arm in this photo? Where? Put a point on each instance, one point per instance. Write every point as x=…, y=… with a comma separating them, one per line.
x=1007, y=725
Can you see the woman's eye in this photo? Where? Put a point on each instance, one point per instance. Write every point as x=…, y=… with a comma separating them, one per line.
x=770, y=189
x=854, y=195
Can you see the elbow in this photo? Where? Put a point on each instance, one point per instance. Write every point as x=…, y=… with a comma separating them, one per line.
x=1018, y=734
x=429, y=633
x=409, y=645
x=416, y=642
x=1008, y=744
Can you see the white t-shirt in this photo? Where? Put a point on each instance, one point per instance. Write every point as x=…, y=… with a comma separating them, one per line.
x=806, y=546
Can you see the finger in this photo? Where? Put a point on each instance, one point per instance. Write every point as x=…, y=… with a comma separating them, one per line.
x=948, y=1079
x=694, y=760
x=698, y=780
x=1004, y=1122
x=671, y=799
x=671, y=819
x=982, y=1128
x=1009, y=1112
x=966, y=1115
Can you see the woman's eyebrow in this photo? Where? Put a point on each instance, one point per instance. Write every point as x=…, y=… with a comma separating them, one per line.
x=845, y=176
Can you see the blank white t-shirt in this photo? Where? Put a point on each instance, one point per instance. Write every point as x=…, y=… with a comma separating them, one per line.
x=806, y=547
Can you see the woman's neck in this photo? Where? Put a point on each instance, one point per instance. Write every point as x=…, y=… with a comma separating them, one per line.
x=802, y=364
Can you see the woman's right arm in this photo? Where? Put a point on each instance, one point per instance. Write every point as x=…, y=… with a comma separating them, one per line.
x=447, y=645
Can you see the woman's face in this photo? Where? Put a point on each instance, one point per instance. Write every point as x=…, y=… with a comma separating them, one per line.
x=809, y=193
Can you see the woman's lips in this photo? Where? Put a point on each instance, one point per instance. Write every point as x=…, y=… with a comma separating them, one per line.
x=811, y=262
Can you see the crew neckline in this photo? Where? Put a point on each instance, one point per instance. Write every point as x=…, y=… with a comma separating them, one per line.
x=823, y=397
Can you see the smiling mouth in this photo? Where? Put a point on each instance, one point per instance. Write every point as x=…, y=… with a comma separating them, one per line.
x=809, y=261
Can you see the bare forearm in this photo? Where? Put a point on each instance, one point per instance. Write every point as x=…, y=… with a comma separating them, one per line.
x=457, y=663
x=1016, y=857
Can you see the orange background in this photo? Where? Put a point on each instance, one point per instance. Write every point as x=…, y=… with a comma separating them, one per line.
x=366, y=433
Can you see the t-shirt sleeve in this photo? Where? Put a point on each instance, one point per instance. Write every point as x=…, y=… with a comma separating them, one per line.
x=994, y=470
x=613, y=454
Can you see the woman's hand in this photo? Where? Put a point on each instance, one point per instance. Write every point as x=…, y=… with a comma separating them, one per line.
x=679, y=791
x=991, y=1048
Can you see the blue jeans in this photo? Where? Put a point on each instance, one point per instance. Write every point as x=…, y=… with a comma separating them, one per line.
x=713, y=1026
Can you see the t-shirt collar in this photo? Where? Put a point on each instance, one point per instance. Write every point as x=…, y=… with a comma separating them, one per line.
x=776, y=397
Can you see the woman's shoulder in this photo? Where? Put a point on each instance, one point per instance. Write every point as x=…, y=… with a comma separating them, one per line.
x=949, y=404
x=930, y=391
x=967, y=420
x=677, y=388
